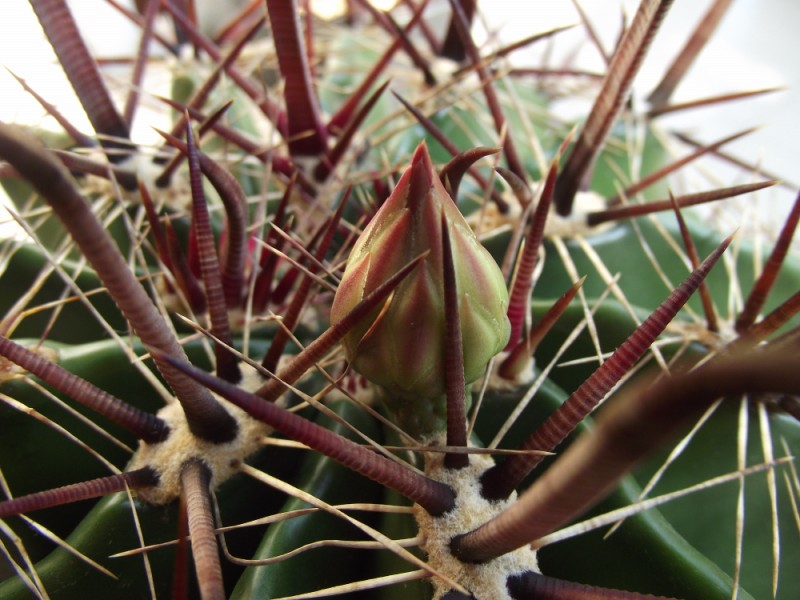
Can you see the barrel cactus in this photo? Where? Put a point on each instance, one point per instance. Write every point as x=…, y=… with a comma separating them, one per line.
x=351, y=328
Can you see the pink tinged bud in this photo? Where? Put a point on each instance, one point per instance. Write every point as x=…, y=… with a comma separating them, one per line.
x=401, y=346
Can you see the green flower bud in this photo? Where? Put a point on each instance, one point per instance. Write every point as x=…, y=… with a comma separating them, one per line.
x=401, y=347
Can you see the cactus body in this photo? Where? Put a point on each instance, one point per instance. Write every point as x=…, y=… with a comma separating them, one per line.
x=285, y=210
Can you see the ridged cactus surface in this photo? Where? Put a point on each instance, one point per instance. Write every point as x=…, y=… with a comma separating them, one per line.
x=373, y=320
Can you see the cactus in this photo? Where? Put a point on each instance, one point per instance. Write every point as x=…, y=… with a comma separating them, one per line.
x=312, y=345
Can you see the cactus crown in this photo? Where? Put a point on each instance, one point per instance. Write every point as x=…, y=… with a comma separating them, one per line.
x=295, y=247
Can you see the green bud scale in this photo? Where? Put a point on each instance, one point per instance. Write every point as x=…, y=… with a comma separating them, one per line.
x=401, y=346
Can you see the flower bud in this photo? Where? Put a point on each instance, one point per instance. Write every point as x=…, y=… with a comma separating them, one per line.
x=401, y=346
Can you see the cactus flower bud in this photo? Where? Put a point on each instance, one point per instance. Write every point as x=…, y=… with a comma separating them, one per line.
x=401, y=347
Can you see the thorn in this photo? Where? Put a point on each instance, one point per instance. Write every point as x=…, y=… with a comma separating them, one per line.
x=521, y=355
x=691, y=50
x=452, y=173
x=419, y=61
x=610, y=100
x=618, y=213
x=435, y=497
x=519, y=298
x=195, y=482
x=343, y=114
x=455, y=385
x=703, y=102
x=661, y=173
x=81, y=69
x=331, y=159
x=762, y=287
x=694, y=259
x=85, y=490
x=437, y=133
x=226, y=364
x=500, y=480
x=306, y=134
x=461, y=20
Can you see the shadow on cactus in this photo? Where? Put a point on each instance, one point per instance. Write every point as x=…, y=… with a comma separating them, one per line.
x=383, y=405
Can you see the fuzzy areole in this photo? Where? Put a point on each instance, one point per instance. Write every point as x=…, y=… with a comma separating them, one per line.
x=168, y=458
x=486, y=580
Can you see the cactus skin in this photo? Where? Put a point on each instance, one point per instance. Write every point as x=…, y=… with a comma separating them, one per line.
x=39, y=457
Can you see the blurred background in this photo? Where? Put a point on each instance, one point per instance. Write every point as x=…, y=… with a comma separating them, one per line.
x=754, y=47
